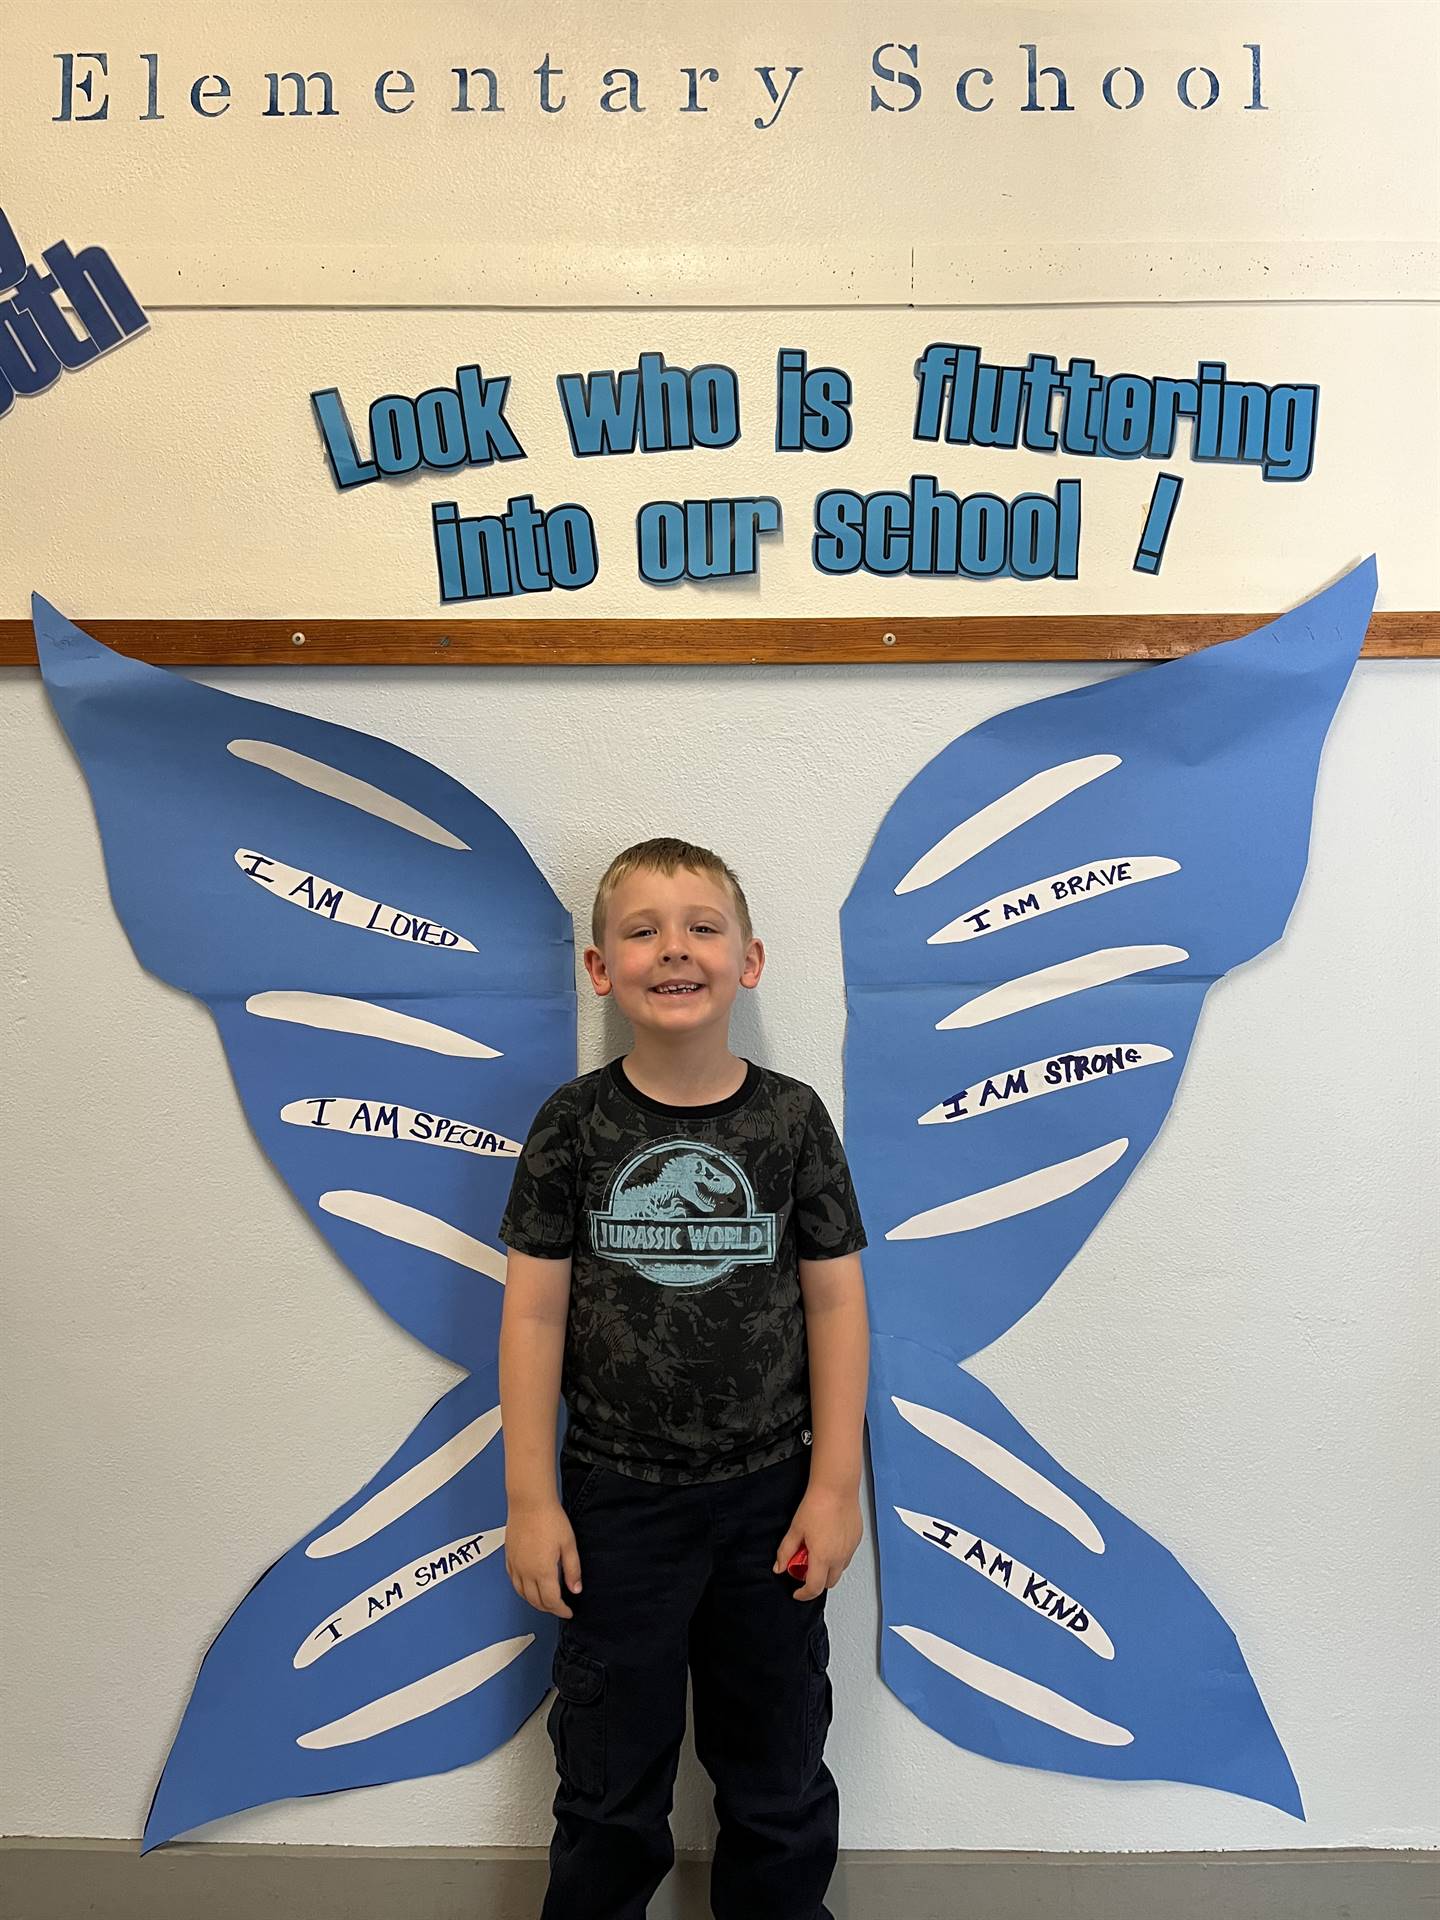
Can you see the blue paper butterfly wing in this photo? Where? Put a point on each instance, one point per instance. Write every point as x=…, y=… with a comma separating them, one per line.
x=1145, y=1679
x=184, y=778
x=1093, y=862
x=390, y=1077
x=452, y=1306
x=417, y=1655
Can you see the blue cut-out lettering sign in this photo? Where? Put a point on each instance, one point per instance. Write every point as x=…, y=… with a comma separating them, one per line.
x=442, y=428
x=37, y=340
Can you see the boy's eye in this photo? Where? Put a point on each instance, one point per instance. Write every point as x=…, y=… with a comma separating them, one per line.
x=698, y=926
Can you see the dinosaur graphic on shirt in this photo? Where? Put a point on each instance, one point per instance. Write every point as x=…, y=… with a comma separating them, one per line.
x=687, y=1179
x=682, y=1214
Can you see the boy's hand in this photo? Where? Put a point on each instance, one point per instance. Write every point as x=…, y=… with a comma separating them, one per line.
x=536, y=1537
x=829, y=1526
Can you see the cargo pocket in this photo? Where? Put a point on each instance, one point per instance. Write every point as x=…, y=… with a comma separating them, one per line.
x=577, y=1482
x=819, y=1701
x=576, y=1723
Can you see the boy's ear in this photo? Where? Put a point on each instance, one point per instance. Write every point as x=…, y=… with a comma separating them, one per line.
x=753, y=964
x=599, y=973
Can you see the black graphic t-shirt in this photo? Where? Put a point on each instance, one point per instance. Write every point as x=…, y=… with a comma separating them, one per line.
x=685, y=1351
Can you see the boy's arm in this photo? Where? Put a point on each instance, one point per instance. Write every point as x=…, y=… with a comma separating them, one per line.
x=532, y=1348
x=837, y=1330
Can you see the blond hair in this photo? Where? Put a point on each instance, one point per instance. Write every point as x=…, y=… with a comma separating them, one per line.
x=668, y=857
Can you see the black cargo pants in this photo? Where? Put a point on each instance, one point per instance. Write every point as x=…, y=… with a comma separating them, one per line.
x=676, y=1579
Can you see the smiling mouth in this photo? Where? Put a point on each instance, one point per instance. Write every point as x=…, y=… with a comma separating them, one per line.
x=678, y=988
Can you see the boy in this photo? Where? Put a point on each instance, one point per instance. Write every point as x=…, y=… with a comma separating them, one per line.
x=713, y=1354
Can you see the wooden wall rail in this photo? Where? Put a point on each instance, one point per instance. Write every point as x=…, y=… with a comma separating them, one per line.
x=631, y=643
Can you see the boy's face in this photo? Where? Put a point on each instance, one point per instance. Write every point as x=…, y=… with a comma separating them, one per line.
x=672, y=952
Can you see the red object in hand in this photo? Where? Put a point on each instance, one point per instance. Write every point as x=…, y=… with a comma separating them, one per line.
x=798, y=1565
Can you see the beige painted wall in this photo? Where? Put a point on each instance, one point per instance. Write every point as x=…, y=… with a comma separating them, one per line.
x=854, y=189
x=184, y=472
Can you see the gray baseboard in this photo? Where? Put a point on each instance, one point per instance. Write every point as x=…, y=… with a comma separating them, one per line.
x=107, y=1880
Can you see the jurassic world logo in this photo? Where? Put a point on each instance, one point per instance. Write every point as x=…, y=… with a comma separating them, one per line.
x=683, y=1213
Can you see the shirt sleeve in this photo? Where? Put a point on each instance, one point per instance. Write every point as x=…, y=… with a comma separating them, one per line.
x=539, y=1217
x=827, y=1214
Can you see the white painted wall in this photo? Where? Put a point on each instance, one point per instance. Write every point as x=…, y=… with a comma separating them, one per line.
x=1240, y=1358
